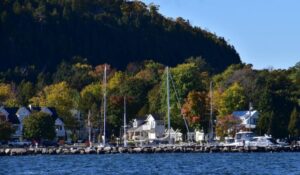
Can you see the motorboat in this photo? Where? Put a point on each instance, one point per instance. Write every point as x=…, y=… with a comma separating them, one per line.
x=240, y=139
x=262, y=141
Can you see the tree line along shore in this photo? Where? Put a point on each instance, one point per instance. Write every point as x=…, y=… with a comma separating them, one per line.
x=78, y=85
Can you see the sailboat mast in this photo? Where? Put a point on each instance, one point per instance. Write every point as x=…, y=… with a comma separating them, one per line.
x=125, y=134
x=90, y=129
x=168, y=104
x=211, y=112
x=104, y=107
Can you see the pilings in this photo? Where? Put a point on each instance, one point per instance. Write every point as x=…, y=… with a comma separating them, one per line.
x=139, y=150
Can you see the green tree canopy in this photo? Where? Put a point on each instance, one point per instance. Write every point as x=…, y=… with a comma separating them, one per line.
x=39, y=125
x=25, y=92
x=294, y=124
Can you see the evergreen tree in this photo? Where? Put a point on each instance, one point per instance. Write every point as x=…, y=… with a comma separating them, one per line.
x=294, y=124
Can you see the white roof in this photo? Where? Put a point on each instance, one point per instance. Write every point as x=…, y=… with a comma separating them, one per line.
x=245, y=114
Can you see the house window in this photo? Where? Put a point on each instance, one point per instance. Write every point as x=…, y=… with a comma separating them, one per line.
x=152, y=124
x=253, y=121
x=58, y=127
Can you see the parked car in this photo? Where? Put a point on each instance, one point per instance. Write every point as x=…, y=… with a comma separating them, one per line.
x=17, y=143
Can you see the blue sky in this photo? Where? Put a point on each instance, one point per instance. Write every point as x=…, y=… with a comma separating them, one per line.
x=266, y=33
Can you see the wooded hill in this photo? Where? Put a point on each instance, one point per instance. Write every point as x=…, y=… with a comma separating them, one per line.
x=45, y=32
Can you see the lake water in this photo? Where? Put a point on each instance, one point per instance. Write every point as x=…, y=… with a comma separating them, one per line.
x=177, y=163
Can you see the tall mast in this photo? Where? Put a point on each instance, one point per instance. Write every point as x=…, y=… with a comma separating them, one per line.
x=250, y=109
x=211, y=134
x=168, y=104
x=90, y=129
x=104, y=107
x=125, y=134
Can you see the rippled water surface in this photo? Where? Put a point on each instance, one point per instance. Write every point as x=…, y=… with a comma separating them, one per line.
x=190, y=163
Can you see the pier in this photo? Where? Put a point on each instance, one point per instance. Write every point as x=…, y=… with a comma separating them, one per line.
x=70, y=150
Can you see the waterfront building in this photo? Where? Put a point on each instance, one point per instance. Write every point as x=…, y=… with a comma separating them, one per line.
x=146, y=129
x=248, y=118
x=175, y=135
x=16, y=116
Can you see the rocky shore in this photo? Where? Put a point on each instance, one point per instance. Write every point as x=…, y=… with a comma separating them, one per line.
x=137, y=150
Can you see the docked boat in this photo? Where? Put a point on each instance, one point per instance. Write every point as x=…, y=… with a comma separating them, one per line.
x=241, y=139
x=263, y=141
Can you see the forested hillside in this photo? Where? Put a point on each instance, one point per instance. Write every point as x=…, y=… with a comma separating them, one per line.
x=53, y=53
x=45, y=32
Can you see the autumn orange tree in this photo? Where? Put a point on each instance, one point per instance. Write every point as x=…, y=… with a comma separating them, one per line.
x=227, y=126
x=195, y=109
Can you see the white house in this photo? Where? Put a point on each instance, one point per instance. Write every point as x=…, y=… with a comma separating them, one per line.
x=146, y=129
x=16, y=116
x=10, y=115
x=199, y=136
x=176, y=136
x=248, y=118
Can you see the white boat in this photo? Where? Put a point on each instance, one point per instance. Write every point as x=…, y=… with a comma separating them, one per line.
x=262, y=141
x=241, y=138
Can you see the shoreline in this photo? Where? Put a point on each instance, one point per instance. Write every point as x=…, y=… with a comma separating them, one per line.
x=141, y=150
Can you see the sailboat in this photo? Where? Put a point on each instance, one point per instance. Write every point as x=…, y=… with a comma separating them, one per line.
x=211, y=122
x=90, y=128
x=168, y=133
x=103, y=144
x=124, y=120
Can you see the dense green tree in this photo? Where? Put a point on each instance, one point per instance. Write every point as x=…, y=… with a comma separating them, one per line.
x=294, y=124
x=183, y=78
x=39, y=126
x=25, y=92
x=220, y=80
x=77, y=75
x=102, y=31
x=154, y=99
x=276, y=99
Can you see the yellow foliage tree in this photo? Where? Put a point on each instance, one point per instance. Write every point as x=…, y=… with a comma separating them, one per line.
x=230, y=100
x=7, y=95
x=60, y=96
x=116, y=80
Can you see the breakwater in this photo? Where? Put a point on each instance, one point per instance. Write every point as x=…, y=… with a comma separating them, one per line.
x=137, y=150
